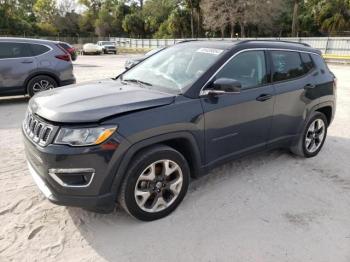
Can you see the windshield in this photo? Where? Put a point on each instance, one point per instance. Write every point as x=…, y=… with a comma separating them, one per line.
x=107, y=43
x=174, y=68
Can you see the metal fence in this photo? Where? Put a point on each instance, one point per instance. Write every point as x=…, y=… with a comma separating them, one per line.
x=327, y=45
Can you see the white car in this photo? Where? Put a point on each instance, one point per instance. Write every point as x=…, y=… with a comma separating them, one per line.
x=108, y=46
x=90, y=48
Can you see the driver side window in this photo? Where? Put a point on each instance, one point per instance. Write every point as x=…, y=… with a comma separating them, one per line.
x=249, y=68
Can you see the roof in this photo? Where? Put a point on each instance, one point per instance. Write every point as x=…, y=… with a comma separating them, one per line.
x=27, y=40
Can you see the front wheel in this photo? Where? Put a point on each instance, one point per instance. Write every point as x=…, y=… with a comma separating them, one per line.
x=313, y=136
x=156, y=183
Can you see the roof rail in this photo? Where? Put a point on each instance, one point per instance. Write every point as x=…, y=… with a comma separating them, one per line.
x=186, y=40
x=268, y=40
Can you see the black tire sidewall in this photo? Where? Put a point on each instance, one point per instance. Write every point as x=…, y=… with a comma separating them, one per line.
x=31, y=83
x=316, y=115
x=135, y=172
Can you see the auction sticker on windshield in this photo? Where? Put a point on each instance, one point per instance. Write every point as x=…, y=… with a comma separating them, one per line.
x=212, y=51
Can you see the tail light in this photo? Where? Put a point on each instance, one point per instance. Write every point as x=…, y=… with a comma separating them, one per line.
x=65, y=57
x=71, y=50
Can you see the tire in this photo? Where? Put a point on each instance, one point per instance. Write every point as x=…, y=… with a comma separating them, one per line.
x=311, y=142
x=40, y=83
x=158, y=197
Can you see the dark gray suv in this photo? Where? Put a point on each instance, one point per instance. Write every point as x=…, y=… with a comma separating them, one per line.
x=139, y=138
x=28, y=66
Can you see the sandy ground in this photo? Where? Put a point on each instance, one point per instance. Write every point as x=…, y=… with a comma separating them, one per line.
x=267, y=207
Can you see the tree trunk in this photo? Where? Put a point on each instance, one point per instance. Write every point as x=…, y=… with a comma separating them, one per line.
x=232, y=30
x=192, y=23
x=242, y=30
x=295, y=19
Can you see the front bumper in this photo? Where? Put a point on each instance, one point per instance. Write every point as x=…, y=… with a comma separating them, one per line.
x=103, y=203
x=97, y=194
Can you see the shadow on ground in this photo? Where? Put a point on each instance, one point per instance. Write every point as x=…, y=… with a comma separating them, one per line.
x=253, y=209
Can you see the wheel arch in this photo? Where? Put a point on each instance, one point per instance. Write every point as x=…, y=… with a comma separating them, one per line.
x=40, y=73
x=184, y=142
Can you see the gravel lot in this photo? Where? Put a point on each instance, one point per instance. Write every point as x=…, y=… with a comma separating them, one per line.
x=267, y=207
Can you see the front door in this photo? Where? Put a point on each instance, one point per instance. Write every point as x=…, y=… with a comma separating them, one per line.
x=238, y=123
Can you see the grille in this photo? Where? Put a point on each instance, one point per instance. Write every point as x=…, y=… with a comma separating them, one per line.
x=37, y=130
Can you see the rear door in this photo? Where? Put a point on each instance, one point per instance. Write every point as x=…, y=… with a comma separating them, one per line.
x=16, y=64
x=238, y=123
x=293, y=74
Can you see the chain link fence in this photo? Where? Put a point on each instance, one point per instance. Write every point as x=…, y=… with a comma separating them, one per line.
x=327, y=45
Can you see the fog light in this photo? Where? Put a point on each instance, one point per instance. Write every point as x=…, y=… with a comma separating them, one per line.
x=72, y=177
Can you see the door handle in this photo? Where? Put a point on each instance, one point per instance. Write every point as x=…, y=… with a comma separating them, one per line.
x=309, y=86
x=27, y=61
x=264, y=97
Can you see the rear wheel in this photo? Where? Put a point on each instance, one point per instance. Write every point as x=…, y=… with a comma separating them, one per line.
x=40, y=83
x=156, y=183
x=313, y=137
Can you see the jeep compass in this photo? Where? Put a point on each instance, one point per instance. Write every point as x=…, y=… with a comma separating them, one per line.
x=139, y=138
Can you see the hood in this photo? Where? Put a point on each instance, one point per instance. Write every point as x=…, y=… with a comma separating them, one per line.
x=93, y=101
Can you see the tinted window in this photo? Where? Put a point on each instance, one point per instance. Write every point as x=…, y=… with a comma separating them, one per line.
x=321, y=64
x=64, y=45
x=14, y=50
x=249, y=68
x=287, y=65
x=39, y=49
x=307, y=62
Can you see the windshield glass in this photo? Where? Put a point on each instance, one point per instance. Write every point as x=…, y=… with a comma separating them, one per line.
x=174, y=68
x=107, y=43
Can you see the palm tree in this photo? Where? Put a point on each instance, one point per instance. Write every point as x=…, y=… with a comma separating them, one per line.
x=335, y=16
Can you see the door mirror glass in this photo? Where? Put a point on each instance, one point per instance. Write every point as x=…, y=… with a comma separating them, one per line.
x=227, y=85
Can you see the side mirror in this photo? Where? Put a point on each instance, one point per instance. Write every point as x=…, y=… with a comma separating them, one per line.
x=224, y=85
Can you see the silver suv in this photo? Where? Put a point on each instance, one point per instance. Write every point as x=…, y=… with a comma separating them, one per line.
x=28, y=66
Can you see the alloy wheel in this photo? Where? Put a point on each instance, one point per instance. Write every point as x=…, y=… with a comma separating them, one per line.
x=158, y=186
x=315, y=135
x=42, y=85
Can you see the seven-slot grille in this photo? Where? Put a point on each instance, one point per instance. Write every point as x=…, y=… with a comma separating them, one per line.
x=37, y=130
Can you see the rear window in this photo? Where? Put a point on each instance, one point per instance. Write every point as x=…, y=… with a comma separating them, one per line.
x=14, y=50
x=287, y=65
x=39, y=49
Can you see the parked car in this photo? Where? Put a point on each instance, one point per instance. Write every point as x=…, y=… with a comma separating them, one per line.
x=28, y=66
x=175, y=116
x=134, y=61
x=90, y=48
x=70, y=49
x=108, y=47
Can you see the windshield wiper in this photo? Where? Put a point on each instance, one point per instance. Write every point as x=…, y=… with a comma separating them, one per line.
x=141, y=83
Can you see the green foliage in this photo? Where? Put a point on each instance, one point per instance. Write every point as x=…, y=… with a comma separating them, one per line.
x=174, y=18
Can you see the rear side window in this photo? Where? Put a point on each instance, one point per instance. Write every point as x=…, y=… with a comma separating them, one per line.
x=39, y=49
x=287, y=65
x=321, y=64
x=307, y=62
x=64, y=45
x=14, y=50
x=249, y=68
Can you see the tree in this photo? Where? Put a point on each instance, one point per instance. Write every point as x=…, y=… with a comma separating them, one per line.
x=134, y=24
x=295, y=18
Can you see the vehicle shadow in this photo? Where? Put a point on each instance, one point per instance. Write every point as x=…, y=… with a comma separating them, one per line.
x=241, y=196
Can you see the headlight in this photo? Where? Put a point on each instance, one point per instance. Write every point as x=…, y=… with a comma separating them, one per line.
x=84, y=136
